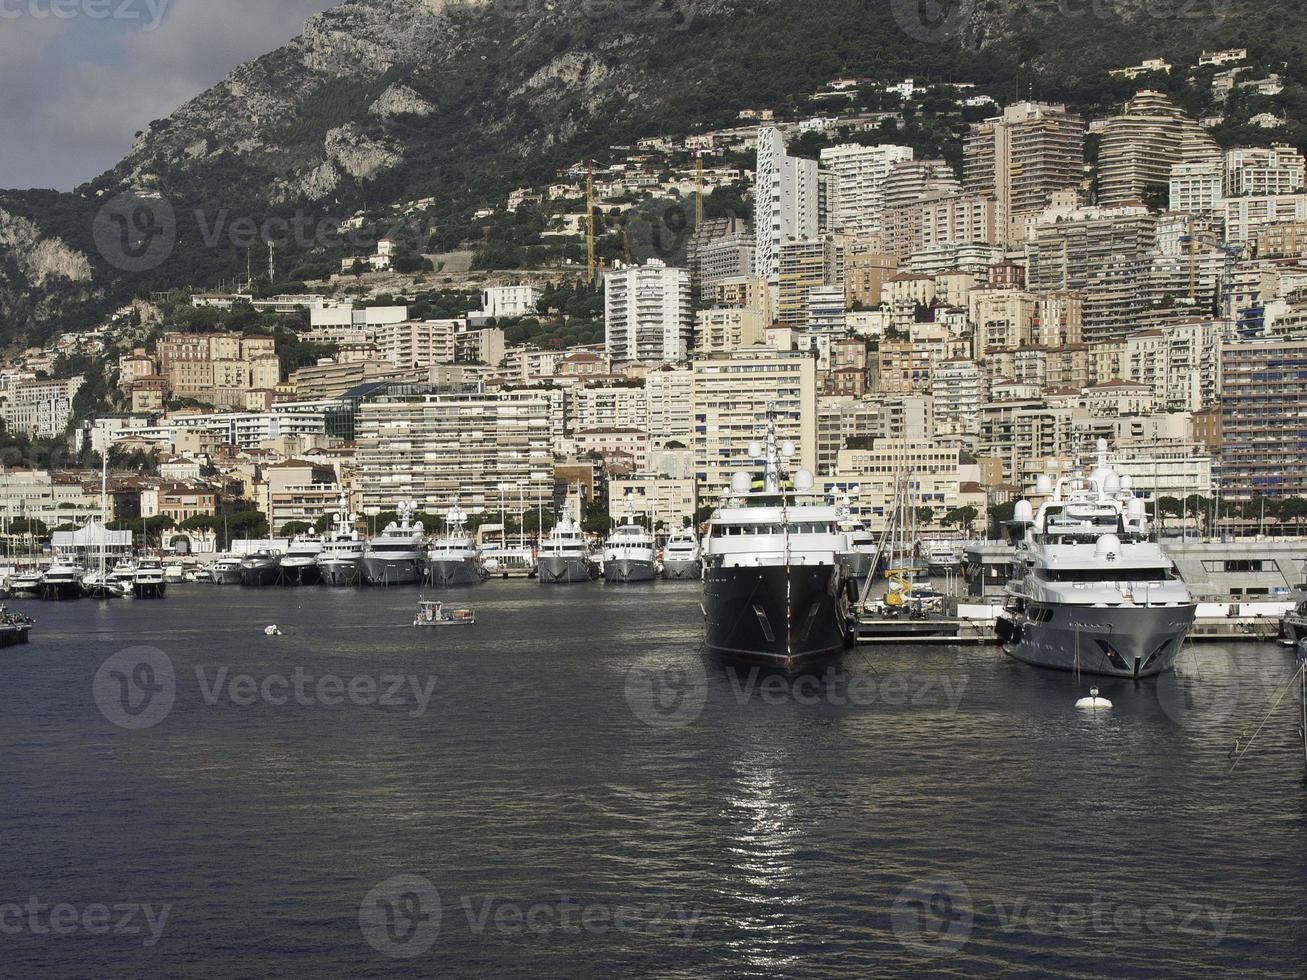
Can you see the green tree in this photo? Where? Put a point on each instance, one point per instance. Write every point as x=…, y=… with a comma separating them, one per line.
x=999, y=515
x=29, y=525
x=1172, y=506
x=961, y=517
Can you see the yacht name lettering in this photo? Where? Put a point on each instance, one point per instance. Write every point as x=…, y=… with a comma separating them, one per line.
x=329, y=690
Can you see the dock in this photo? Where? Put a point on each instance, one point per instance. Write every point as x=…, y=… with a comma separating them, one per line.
x=929, y=629
x=974, y=623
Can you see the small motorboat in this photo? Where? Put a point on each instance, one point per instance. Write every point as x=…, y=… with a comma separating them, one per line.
x=14, y=627
x=432, y=613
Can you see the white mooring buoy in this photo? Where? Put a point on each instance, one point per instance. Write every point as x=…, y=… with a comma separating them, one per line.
x=1094, y=701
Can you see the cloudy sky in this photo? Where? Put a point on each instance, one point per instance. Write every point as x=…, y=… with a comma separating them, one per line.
x=75, y=88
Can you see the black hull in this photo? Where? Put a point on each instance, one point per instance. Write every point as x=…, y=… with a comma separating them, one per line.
x=260, y=576
x=383, y=572
x=61, y=591
x=776, y=616
x=11, y=635
x=150, y=590
x=301, y=574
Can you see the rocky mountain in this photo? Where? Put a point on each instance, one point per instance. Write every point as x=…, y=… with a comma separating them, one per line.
x=460, y=100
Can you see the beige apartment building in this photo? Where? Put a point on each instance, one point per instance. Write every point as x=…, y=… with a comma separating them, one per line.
x=1141, y=145
x=1022, y=158
x=439, y=450
x=731, y=399
x=218, y=369
x=721, y=330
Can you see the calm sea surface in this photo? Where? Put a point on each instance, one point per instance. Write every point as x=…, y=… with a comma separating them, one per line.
x=570, y=788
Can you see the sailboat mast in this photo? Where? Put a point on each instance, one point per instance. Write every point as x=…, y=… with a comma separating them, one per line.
x=104, y=510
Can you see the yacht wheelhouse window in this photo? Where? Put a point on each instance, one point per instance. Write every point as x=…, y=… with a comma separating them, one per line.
x=1105, y=574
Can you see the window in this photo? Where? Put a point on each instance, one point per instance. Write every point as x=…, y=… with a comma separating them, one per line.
x=1244, y=565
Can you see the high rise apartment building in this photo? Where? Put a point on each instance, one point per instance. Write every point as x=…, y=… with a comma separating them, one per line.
x=1022, y=157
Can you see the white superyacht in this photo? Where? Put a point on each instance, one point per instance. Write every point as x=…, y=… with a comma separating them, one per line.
x=398, y=555
x=341, y=556
x=629, y=553
x=564, y=556
x=453, y=558
x=299, y=565
x=1089, y=591
x=682, y=555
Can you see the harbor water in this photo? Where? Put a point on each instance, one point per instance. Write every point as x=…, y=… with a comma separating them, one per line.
x=570, y=788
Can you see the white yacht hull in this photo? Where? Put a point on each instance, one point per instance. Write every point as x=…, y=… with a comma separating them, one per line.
x=682, y=569
x=227, y=575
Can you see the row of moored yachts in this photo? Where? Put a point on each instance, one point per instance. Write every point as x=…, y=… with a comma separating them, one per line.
x=144, y=578
x=403, y=554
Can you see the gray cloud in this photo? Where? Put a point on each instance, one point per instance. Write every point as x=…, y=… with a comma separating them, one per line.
x=75, y=91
